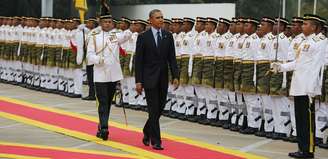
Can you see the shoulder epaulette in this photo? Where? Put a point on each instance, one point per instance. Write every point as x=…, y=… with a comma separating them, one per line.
x=254, y=36
x=95, y=32
x=316, y=39
x=322, y=37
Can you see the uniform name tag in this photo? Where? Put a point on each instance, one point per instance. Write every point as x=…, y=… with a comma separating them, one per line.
x=248, y=44
x=208, y=43
x=263, y=45
x=185, y=42
x=231, y=43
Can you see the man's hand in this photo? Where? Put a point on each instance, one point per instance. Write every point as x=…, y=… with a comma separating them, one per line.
x=275, y=67
x=139, y=88
x=175, y=84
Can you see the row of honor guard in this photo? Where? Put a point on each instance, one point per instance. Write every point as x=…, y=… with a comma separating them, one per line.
x=42, y=53
x=225, y=78
x=223, y=68
x=48, y=54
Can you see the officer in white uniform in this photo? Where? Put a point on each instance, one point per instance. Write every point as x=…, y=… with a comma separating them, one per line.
x=298, y=38
x=306, y=84
x=103, y=52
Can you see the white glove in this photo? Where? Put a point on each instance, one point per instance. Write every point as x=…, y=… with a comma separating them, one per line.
x=275, y=67
x=81, y=27
x=101, y=60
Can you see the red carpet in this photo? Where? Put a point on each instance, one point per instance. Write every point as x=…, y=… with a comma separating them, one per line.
x=56, y=153
x=174, y=149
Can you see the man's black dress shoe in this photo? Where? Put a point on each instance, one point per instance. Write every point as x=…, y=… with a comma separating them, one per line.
x=158, y=147
x=300, y=154
x=146, y=140
x=103, y=134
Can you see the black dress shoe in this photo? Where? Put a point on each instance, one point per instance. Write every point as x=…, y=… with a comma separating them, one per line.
x=145, y=140
x=260, y=134
x=89, y=98
x=278, y=136
x=72, y=95
x=324, y=146
x=182, y=117
x=215, y=122
x=234, y=127
x=104, y=134
x=300, y=154
x=226, y=125
x=248, y=130
x=192, y=118
x=98, y=134
x=158, y=147
x=291, y=139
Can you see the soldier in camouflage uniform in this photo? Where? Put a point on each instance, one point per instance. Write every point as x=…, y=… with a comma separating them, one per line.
x=220, y=50
x=177, y=36
x=196, y=67
x=251, y=121
x=262, y=77
x=186, y=91
x=278, y=81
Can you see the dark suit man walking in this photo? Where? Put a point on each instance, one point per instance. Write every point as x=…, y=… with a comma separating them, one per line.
x=155, y=54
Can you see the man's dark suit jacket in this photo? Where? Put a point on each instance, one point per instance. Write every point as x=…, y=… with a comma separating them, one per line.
x=152, y=63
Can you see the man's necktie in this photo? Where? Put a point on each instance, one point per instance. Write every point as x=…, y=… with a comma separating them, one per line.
x=159, y=38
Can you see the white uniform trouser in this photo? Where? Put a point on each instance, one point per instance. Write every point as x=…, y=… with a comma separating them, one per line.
x=131, y=92
x=70, y=84
x=47, y=77
x=169, y=98
x=212, y=103
x=2, y=69
x=84, y=73
x=78, y=81
x=224, y=104
x=42, y=76
x=53, y=78
x=236, y=111
x=65, y=79
x=61, y=80
x=268, y=113
x=36, y=77
x=174, y=104
x=11, y=70
x=142, y=99
x=191, y=99
x=281, y=114
x=321, y=117
x=180, y=96
x=19, y=74
x=292, y=115
x=201, y=94
x=125, y=89
x=28, y=73
x=6, y=71
x=254, y=110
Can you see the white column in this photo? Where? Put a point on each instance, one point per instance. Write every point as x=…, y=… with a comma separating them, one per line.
x=315, y=6
x=299, y=8
x=46, y=8
x=284, y=8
